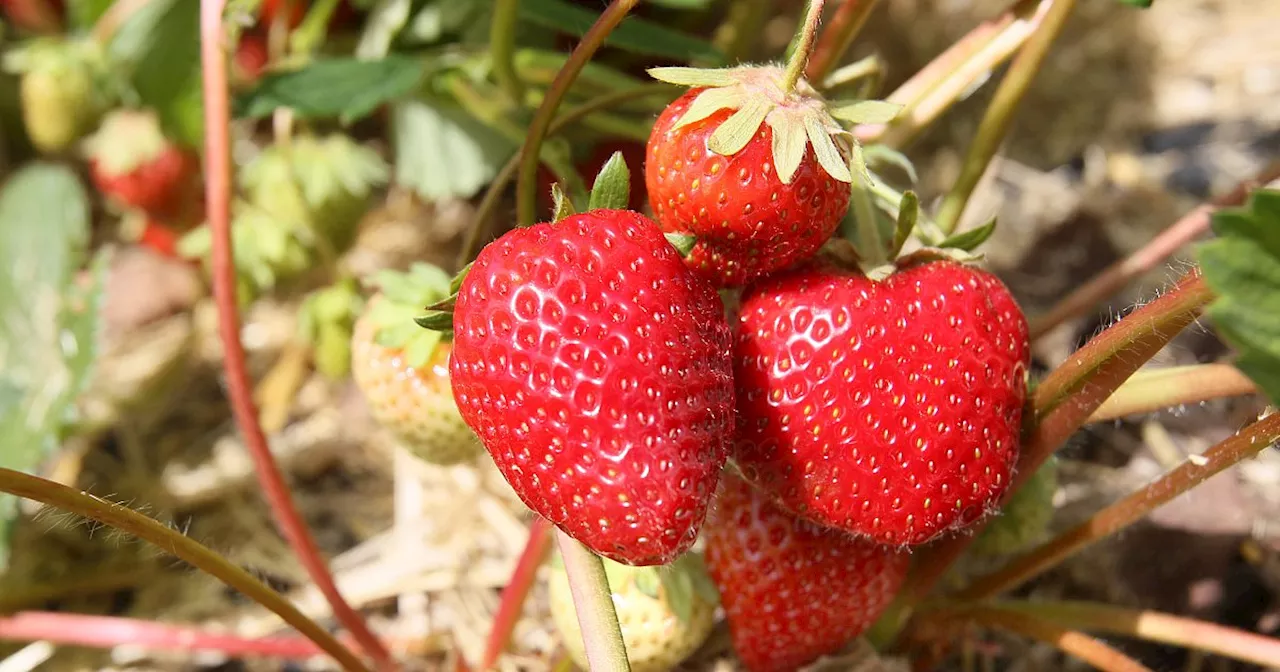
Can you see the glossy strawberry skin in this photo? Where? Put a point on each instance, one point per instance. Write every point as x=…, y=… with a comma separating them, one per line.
x=595, y=368
x=747, y=222
x=162, y=186
x=792, y=591
x=888, y=409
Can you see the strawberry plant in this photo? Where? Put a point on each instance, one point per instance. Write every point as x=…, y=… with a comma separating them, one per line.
x=726, y=341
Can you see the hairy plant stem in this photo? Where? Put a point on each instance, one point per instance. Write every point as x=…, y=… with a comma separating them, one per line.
x=112, y=631
x=1249, y=442
x=1151, y=626
x=517, y=590
x=122, y=518
x=947, y=78
x=998, y=119
x=593, y=602
x=527, y=179
x=1070, y=642
x=1069, y=395
x=804, y=47
x=492, y=196
x=217, y=120
x=502, y=48
x=1113, y=278
x=1150, y=391
x=844, y=26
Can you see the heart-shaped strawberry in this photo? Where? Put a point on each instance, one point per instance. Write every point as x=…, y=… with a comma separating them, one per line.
x=888, y=408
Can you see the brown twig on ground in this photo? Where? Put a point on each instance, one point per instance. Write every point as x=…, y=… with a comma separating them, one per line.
x=217, y=118
x=1164, y=245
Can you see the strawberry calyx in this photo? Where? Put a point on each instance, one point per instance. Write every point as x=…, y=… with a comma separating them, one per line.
x=126, y=139
x=396, y=310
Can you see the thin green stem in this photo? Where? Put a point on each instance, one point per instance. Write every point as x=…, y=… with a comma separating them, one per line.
x=1150, y=391
x=1244, y=445
x=527, y=180
x=1070, y=642
x=489, y=203
x=1070, y=394
x=996, y=122
x=310, y=35
x=839, y=35
x=126, y=520
x=800, y=57
x=217, y=122
x=1154, y=626
x=601, y=633
x=502, y=48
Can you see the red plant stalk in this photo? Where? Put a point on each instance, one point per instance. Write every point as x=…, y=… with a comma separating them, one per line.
x=1150, y=391
x=1154, y=626
x=110, y=631
x=1249, y=442
x=517, y=591
x=1070, y=642
x=1116, y=276
x=1071, y=393
x=217, y=111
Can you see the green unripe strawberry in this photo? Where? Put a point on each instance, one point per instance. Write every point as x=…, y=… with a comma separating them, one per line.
x=59, y=90
x=403, y=369
x=1024, y=518
x=666, y=613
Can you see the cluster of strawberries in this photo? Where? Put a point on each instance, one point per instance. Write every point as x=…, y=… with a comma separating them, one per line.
x=712, y=373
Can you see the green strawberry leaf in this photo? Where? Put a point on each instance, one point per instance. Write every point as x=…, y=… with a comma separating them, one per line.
x=561, y=204
x=456, y=283
x=83, y=14
x=1242, y=266
x=47, y=331
x=683, y=242
x=386, y=20
x=346, y=88
x=159, y=45
x=443, y=152
x=436, y=320
x=634, y=35
x=612, y=188
x=970, y=240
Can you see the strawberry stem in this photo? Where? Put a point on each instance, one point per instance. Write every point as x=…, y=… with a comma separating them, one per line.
x=527, y=181
x=1168, y=242
x=517, y=591
x=201, y=557
x=800, y=57
x=998, y=119
x=1152, y=626
x=217, y=121
x=944, y=80
x=1149, y=391
x=111, y=631
x=849, y=19
x=502, y=49
x=593, y=601
x=1252, y=440
x=1070, y=642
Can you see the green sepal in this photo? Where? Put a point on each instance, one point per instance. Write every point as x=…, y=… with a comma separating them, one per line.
x=970, y=239
x=561, y=205
x=683, y=242
x=908, y=215
x=866, y=111
x=456, y=284
x=405, y=295
x=438, y=320
x=1024, y=518
x=612, y=187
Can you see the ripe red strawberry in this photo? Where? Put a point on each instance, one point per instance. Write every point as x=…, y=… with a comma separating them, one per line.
x=792, y=591
x=251, y=56
x=595, y=367
x=730, y=163
x=135, y=165
x=888, y=408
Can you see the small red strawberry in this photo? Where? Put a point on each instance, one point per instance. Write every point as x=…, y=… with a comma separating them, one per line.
x=792, y=591
x=251, y=56
x=133, y=164
x=729, y=163
x=402, y=369
x=889, y=408
x=595, y=367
